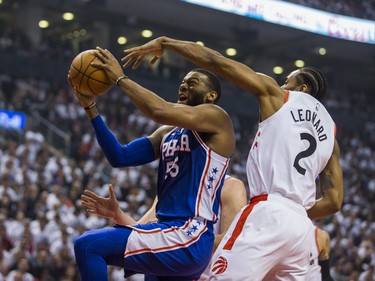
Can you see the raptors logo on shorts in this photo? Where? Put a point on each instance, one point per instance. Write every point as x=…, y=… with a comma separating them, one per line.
x=220, y=265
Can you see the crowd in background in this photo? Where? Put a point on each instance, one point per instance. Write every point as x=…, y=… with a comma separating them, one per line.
x=360, y=9
x=14, y=40
x=40, y=184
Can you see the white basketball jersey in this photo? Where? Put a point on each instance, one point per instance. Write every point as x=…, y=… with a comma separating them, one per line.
x=290, y=150
x=314, y=272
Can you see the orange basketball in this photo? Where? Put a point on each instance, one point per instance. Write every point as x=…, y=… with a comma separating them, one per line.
x=88, y=80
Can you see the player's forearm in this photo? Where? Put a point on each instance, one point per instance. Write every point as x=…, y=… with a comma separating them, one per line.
x=123, y=219
x=145, y=100
x=148, y=218
x=323, y=208
x=231, y=70
x=331, y=184
x=326, y=275
x=218, y=238
x=137, y=152
x=150, y=215
x=193, y=52
x=107, y=141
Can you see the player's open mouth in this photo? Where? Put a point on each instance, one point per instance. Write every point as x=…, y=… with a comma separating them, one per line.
x=182, y=97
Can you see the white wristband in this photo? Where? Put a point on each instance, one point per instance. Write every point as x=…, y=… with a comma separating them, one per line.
x=120, y=78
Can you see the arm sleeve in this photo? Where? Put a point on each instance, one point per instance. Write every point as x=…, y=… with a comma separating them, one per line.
x=326, y=275
x=137, y=152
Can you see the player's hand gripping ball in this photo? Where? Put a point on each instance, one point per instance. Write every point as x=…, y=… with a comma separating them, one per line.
x=88, y=80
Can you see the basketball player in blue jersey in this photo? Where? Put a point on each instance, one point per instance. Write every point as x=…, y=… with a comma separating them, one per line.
x=193, y=147
x=271, y=238
x=233, y=198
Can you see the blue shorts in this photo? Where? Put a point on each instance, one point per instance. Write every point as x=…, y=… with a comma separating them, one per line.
x=180, y=250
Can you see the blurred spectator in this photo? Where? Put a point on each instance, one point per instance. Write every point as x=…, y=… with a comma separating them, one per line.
x=21, y=272
x=361, y=9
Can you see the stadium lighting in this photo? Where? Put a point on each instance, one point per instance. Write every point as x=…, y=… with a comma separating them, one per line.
x=146, y=33
x=299, y=63
x=122, y=40
x=278, y=70
x=68, y=16
x=322, y=51
x=231, y=52
x=43, y=24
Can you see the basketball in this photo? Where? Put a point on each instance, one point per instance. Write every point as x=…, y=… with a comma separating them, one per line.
x=88, y=80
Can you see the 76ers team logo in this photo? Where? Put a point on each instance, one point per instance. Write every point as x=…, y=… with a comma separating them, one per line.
x=220, y=265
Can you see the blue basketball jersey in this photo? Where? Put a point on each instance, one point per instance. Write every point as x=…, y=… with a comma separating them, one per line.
x=190, y=177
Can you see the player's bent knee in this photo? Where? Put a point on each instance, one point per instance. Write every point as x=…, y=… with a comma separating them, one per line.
x=81, y=246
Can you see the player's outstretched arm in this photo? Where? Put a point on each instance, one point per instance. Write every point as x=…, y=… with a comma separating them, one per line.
x=231, y=70
x=203, y=118
x=332, y=188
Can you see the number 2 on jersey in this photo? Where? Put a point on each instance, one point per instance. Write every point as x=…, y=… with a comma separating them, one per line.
x=306, y=153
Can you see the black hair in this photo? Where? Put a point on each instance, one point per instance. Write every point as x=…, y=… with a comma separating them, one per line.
x=213, y=80
x=315, y=81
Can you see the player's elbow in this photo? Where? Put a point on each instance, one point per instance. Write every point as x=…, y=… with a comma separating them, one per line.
x=339, y=198
x=336, y=205
x=115, y=163
x=161, y=114
x=158, y=115
x=115, y=160
x=336, y=202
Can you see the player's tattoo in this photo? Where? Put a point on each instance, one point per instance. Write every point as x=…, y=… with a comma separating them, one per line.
x=326, y=181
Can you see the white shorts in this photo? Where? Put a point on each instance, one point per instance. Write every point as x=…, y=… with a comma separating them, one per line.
x=269, y=239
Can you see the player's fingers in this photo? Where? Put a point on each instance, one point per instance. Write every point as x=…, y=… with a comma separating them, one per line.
x=92, y=212
x=153, y=60
x=103, y=52
x=90, y=194
x=128, y=60
x=137, y=62
x=87, y=199
x=88, y=205
x=70, y=82
x=130, y=50
x=111, y=191
x=101, y=58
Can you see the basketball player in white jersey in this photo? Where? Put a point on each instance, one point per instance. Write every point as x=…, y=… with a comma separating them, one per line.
x=319, y=257
x=233, y=198
x=271, y=238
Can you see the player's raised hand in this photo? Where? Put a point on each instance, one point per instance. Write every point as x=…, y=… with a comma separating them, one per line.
x=134, y=56
x=107, y=207
x=108, y=63
x=84, y=100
